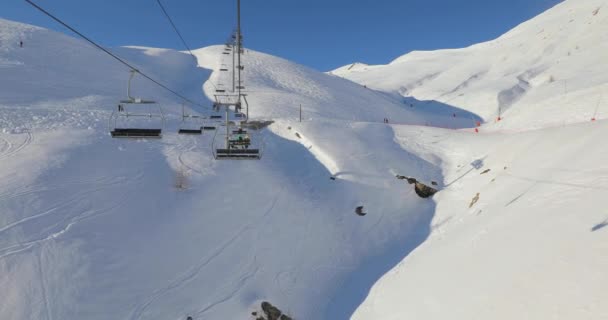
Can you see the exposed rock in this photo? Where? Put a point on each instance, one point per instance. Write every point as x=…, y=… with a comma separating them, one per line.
x=474, y=201
x=272, y=312
x=485, y=171
x=359, y=211
x=422, y=190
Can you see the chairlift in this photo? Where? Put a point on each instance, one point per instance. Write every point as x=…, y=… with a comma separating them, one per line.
x=237, y=145
x=188, y=129
x=123, y=123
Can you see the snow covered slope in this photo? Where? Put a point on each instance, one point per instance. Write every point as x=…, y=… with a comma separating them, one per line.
x=520, y=229
x=94, y=228
x=526, y=239
x=548, y=71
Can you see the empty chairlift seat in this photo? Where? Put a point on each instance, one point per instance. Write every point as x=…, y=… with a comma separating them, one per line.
x=190, y=131
x=237, y=154
x=124, y=122
x=136, y=133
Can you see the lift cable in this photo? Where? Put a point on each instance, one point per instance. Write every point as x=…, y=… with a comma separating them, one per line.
x=113, y=55
x=174, y=27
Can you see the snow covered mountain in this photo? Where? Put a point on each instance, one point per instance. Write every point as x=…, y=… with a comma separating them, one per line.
x=548, y=71
x=97, y=228
x=92, y=227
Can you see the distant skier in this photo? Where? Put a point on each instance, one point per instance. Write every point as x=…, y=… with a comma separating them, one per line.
x=120, y=108
x=21, y=44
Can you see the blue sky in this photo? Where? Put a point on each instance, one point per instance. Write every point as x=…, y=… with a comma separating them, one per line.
x=323, y=34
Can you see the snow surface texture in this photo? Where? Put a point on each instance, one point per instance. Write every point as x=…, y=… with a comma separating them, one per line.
x=549, y=71
x=527, y=239
x=95, y=228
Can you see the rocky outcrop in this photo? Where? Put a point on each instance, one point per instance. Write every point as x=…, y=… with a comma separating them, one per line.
x=422, y=190
x=270, y=312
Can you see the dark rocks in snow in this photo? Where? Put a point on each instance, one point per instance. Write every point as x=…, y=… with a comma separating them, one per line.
x=359, y=211
x=474, y=200
x=422, y=190
x=485, y=171
x=271, y=313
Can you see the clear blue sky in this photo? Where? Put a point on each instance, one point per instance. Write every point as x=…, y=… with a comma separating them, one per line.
x=323, y=34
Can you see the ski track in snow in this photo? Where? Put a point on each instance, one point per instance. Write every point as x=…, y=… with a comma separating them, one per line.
x=43, y=286
x=240, y=283
x=6, y=146
x=63, y=204
x=33, y=189
x=101, y=184
x=24, y=246
x=186, y=277
x=193, y=146
x=9, y=151
x=192, y=274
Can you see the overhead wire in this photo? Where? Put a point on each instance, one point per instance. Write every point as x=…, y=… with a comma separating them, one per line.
x=117, y=58
x=162, y=7
x=174, y=26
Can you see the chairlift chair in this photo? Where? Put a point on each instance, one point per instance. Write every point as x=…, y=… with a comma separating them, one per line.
x=237, y=145
x=121, y=122
x=188, y=129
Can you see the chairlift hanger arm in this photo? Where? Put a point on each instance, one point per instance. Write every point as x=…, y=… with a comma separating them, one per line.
x=122, y=61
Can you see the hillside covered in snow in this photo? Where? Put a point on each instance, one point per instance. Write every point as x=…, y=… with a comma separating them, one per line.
x=93, y=227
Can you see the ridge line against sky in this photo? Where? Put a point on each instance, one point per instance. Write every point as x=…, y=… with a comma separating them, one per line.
x=321, y=34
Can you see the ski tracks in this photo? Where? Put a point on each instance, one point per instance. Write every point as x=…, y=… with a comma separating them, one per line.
x=17, y=248
x=71, y=221
x=194, y=145
x=193, y=272
x=10, y=150
x=188, y=276
x=236, y=287
x=43, y=288
x=78, y=198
